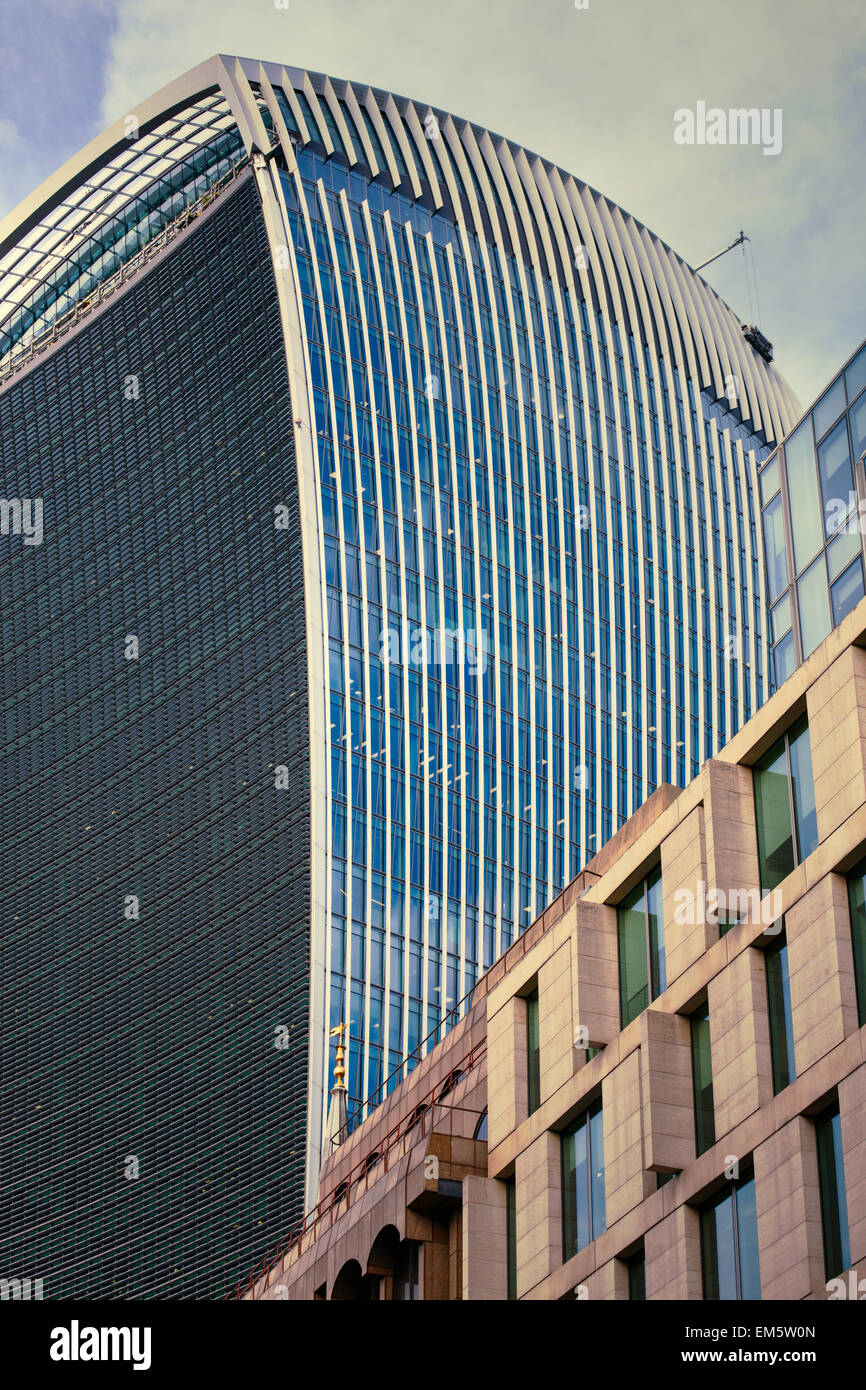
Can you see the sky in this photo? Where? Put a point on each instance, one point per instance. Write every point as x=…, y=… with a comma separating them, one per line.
x=593, y=89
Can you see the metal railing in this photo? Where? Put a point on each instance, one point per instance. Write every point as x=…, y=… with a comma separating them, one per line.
x=364, y=1107
x=338, y=1199
x=512, y=953
x=22, y=356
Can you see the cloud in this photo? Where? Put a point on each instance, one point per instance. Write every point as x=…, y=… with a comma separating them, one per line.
x=52, y=65
x=595, y=90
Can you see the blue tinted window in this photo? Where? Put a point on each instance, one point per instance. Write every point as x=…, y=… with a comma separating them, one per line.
x=855, y=376
x=729, y=1245
x=774, y=536
x=857, y=416
x=834, y=1202
x=803, y=789
x=781, y=617
x=769, y=480
x=783, y=784
x=781, y=1020
x=784, y=658
x=837, y=479
x=829, y=408
x=841, y=551
x=814, y=603
x=583, y=1205
x=804, y=498
x=847, y=592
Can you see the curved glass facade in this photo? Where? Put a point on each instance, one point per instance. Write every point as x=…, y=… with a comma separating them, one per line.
x=524, y=545
x=514, y=443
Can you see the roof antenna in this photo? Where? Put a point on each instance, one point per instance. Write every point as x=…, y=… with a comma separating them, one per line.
x=740, y=239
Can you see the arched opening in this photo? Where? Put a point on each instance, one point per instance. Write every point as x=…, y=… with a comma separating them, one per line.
x=348, y=1284
x=370, y=1162
x=382, y=1262
x=417, y=1115
x=450, y=1082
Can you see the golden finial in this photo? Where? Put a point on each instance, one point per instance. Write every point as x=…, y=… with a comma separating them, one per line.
x=339, y=1068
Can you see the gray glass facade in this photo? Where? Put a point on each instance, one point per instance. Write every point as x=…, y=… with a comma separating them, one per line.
x=152, y=1134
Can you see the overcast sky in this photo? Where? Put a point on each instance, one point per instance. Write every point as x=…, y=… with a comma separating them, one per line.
x=593, y=89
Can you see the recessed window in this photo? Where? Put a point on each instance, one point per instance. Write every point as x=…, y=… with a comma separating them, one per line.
x=857, y=906
x=583, y=1215
x=834, y=1203
x=702, y=1078
x=450, y=1083
x=785, y=805
x=637, y=1277
x=407, y=1287
x=511, y=1237
x=640, y=933
x=533, y=1060
x=417, y=1115
x=781, y=1021
x=729, y=1244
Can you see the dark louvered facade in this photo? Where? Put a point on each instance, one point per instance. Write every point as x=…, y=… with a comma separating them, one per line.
x=160, y=437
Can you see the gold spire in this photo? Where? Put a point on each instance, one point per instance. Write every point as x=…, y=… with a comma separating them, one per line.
x=339, y=1068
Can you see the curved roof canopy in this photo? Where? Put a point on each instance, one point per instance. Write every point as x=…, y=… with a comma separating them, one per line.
x=102, y=207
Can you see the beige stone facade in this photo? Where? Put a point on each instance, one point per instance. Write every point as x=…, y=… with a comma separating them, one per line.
x=416, y=1203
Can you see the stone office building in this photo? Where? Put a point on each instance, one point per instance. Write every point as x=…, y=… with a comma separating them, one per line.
x=658, y=1092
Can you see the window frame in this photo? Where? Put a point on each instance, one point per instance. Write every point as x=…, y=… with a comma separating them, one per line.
x=839, y=1195
x=704, y=1116
x=779, y=1066
x=785, y=739
x=858, y=938
x=636, y=1269
x=706, y=1212
x=511, y=1239
x=655, y=971
x=533, y=1051
x=582, y=1121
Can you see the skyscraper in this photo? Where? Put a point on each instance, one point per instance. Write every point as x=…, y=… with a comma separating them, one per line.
x=381, y=523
